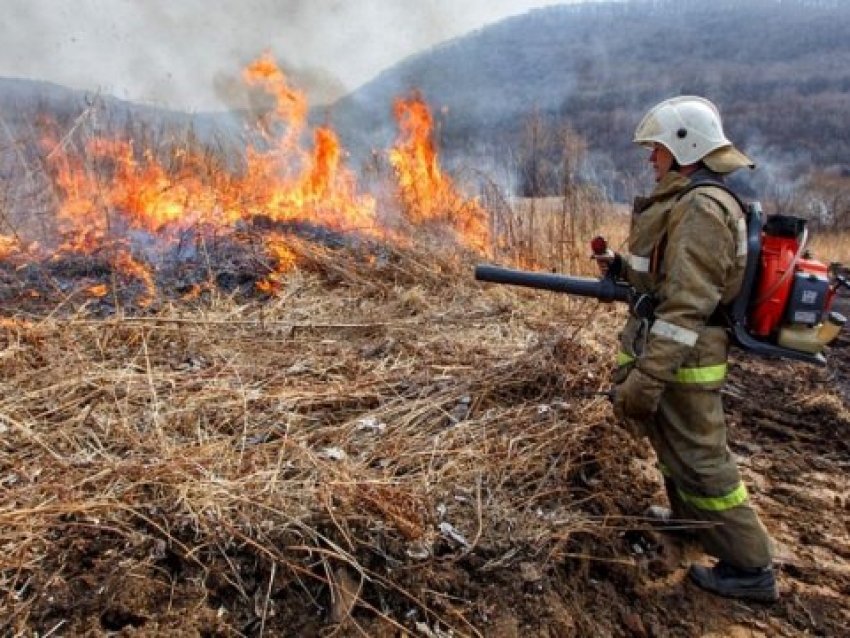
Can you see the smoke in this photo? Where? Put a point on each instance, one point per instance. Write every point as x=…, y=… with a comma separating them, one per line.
x=189, y=54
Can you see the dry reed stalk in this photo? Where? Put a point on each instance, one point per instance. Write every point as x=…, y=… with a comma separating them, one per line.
x=559, y=238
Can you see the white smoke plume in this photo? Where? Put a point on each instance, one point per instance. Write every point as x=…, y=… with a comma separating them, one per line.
x=189, y=54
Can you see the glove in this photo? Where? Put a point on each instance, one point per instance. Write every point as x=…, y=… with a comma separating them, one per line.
x=637, y=397
x=609, y=263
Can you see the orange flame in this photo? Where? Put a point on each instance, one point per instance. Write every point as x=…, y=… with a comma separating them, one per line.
x=8, y=246
x=98, y=290
x=284, y=259
x=290, y=184
x=125, y=263
x=427, y=194
x=118, y=187
x=115, y=187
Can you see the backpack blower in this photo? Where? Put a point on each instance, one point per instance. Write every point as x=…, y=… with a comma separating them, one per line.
x=783, y=309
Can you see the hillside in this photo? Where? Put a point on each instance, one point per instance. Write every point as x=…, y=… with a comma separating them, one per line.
x=780, y=72
x=24, y=101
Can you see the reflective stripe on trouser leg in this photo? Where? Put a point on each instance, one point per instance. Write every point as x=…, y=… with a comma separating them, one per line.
x=703, y=374
x=733, y=498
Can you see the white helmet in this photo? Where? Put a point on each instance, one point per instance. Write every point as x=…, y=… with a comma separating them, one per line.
x=687, y=125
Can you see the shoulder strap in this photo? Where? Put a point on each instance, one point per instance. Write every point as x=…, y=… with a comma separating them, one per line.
x=705, y=177
x=724, y=314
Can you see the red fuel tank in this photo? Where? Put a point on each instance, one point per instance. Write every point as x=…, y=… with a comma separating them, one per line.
x=774, y=285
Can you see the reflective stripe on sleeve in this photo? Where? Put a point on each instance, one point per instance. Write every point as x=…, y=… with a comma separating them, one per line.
x=704, y=374
x=742, y=237
x=638, y=264
x=676, y=333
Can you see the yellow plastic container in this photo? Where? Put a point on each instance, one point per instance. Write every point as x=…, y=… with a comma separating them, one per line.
x=830, y=328
x=801, y=338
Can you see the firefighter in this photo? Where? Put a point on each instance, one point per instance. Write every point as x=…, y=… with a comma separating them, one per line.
x=687, y=251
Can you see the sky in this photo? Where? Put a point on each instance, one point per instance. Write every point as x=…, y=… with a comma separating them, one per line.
x=189, y=54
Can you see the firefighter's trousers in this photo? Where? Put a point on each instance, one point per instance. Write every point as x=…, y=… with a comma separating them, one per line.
x=702, y=478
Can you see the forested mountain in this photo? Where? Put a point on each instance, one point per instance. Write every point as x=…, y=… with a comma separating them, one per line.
x=778, y=69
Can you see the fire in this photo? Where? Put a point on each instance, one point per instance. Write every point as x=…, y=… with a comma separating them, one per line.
x=315, y=186
x=427, y=194
x=129, y=203
x=118, y=187
x=125, y=263
x=285, y=260
x=98, y=290
x=8, y=246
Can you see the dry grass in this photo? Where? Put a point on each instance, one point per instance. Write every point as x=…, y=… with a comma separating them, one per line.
x=554, y=234
x=369, y=423
x=831, y=246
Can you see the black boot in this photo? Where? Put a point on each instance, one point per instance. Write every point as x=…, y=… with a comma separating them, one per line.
x=735, y=582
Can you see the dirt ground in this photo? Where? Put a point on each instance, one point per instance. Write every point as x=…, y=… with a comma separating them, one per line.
x=590, y=569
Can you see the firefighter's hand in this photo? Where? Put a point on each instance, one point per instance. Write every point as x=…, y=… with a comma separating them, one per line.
x=604, y=261
x=609, y=263
x=637, y=398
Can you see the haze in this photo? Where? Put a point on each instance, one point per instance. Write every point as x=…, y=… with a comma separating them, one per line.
x=189, y=54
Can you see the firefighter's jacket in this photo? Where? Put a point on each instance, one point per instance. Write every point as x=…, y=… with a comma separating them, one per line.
x=687, y=251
